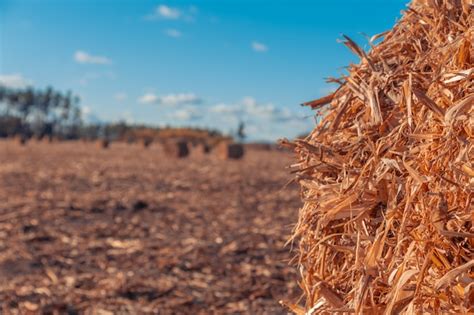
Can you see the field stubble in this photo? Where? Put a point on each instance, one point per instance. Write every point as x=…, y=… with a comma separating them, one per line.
x=126, y=230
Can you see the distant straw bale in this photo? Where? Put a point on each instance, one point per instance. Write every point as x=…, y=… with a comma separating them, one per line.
x=201, y=148
x=387, y=176
x=103, y=144
x=230, y=151
x=205, y=148
x=21, y=140
x=147, y=142
x=176, y=149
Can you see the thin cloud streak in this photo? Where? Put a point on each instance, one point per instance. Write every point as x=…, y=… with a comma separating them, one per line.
x=83, y=57
x=259, y=47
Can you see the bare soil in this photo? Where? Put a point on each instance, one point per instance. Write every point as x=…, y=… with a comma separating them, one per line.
x=127, y=230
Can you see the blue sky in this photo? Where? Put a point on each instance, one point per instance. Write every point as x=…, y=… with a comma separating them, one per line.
x=180, y=63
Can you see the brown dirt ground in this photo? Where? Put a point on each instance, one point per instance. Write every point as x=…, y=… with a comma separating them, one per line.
x=126, y=230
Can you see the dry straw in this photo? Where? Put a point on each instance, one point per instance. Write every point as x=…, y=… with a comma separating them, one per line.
x=387, y=177
x=176, y=148
x=227, y=150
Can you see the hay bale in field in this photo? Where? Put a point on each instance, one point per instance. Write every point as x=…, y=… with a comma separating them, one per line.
x=387, y=176
x=176, y=149
x=103, y=144
x=205, y=148
x=147, y=142
x=21, y=140
x=230, y=151
x=200, y=149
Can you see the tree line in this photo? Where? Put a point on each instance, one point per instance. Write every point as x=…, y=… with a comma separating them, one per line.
x=39, y=113
x=48, y=113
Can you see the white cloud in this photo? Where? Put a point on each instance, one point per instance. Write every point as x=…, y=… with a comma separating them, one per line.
x=168, y=12
x=14, y=81
x=170, y=99
x=86, y=58
x=178, y=99
x=165, y=12
x=249, y=108
x=267, y=110
x=259, y=47
x=263, y=121
x=89, y=116
x=148, y=98
x=186, y=114
x=120, y=96
x=249, y=101
x=223, y=108
x=127, y=117
x=86, y=110
x=171, y=32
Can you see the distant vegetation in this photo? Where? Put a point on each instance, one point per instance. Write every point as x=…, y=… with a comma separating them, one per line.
x=29, y=112
x=34, y=113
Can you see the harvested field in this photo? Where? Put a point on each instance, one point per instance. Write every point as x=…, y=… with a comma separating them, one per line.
x=129, y=230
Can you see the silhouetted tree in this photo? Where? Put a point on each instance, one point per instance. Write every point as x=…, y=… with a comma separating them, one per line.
x=39, y=112
x=241, y=131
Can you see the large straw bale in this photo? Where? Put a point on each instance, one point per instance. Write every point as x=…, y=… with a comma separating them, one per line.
x=230, y=151
x=176, y=149
x=387, y=176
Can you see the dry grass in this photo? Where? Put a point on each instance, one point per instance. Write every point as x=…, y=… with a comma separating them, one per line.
x=129, y=230
x=387, y=177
